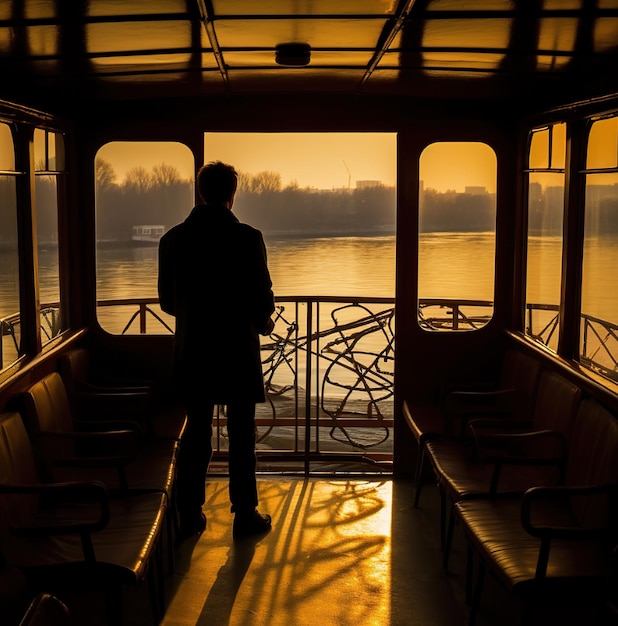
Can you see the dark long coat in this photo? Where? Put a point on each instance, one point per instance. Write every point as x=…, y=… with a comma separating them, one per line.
x=213, y=277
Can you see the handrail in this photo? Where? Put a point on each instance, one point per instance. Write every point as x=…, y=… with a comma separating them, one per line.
x=599, y=337
x=329, y=372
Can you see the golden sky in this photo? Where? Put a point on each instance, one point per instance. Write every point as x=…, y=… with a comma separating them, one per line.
x=456, y=165
x=322, y=160
x=319, y=160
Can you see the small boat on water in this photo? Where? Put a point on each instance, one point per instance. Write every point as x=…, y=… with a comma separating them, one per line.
x=147, y=234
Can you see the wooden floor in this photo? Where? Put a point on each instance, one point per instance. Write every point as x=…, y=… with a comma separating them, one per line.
x=328, y=560
x=342, y=552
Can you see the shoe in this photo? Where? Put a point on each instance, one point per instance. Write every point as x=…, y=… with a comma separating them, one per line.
x=252, y=523
x=190, y=528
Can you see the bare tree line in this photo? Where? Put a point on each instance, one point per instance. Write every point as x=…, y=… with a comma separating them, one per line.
x=162, y=197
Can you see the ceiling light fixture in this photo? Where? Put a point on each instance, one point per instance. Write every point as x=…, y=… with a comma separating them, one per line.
x=294, y=54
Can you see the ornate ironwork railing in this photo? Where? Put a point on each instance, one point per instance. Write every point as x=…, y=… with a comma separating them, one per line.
x=600, y=346
x=328, y=369
x=329, y=363
x=10, y=328
x=598, y=337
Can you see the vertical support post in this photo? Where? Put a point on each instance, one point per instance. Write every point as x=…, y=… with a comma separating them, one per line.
x=142, y=318
x=309, y=323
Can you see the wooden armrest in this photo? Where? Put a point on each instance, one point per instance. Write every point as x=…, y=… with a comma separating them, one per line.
x=65, y=493
x=111, y=388
x=550, y=530
x=88, y=448
x=524, y=449
x=481, y=402
x=133, y=407
x=544, y=447
x=499, y=424
x=114, y=400
x=563, y=493
x=100, y=425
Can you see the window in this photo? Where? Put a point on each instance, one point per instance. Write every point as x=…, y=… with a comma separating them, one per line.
x=142, y=190
x=325, y=203
x=546, y=162
x=9, y=261
x=599, y=310
x=457, y=236
x=48, y=165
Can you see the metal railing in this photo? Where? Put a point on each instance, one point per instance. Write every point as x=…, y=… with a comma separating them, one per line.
x=328, y=372
x=599, y=337
x=10, y=327
x=329, y=365
x=600, y=346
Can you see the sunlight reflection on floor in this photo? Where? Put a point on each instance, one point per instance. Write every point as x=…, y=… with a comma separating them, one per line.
x=326, y=560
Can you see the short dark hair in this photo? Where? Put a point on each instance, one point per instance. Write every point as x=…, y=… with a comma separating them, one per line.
x=216, y=182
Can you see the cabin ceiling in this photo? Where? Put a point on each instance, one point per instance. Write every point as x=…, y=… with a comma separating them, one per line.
x=68, y=52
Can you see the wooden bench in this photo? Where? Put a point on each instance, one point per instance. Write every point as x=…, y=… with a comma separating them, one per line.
x=74, y=536
x=553, y=544
x=134, y=460
x=95, y=394
x=446, y=417
x=506, y=455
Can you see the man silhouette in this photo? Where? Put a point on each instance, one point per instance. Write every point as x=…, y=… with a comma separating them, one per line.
x=214, y=278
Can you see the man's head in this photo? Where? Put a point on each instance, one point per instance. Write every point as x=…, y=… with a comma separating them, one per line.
x=216, y=183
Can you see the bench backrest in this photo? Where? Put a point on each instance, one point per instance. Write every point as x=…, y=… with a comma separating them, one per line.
x=520, y=371
x=592, y=458
x=47, y=407
x=556, y=405
x=74, y=368
x=17, y=467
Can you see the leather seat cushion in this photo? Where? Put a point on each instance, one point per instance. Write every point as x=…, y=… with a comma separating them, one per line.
x=463, y=477
x=493, y=526
x=122, y=548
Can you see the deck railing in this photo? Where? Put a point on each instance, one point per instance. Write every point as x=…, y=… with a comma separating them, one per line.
x=329, y=366
x=599, y=338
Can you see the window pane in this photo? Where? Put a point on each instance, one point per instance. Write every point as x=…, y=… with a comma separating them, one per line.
x=545, y=220
x=548, y=148
x=457, y=223
x=599, y=331
x=7, y=152
x=10, y=334
x=142, y=190
x=47, y=233
x=538, y=157
x=545, y=217
x=10, y=329
x=558, y=146
x=325, y=203
x=603, y=144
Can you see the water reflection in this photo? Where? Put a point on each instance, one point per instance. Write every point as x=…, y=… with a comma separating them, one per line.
x=333, y=266
x=451, y=265
x=457, y=266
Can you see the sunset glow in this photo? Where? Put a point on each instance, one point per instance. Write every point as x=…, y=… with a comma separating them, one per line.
x=321, y=160
x=316, y=160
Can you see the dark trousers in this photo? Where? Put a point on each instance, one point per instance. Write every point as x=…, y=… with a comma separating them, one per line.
x=195, y=454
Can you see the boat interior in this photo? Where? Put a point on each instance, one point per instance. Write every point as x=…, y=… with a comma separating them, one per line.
x=493, y=496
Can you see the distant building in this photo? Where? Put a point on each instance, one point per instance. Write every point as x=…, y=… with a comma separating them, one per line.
x=368, y=184
x=474, y=190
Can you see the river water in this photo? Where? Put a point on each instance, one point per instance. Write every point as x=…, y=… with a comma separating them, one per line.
x=333, y=266
x=452, y=265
